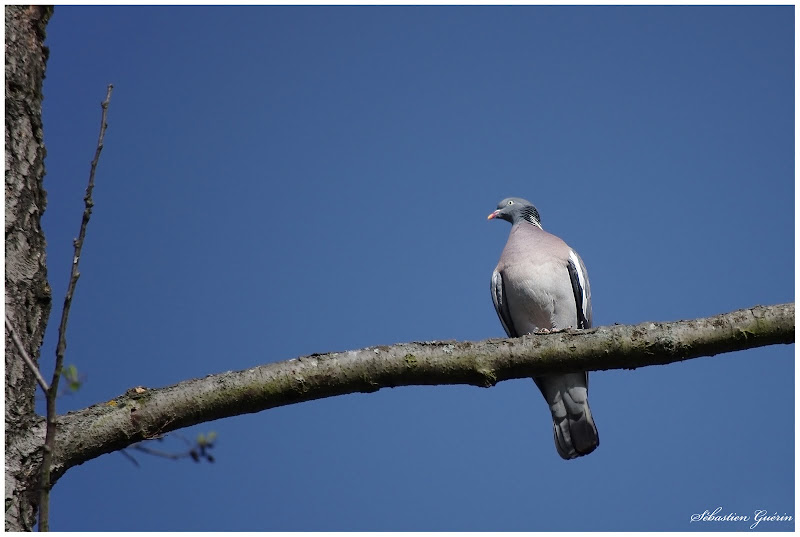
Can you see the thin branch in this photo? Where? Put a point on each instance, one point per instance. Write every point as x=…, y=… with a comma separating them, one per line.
x=158, y=452
x=196, y=451
x=52, y=393
x=25, y=357
x=191, y=453
x=143, y=413
x=129, y=457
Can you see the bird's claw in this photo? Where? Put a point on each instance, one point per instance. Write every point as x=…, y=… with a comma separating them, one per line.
x=551, y=330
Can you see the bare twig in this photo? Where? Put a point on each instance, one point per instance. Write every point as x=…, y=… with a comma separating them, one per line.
x=52, y=392
x=25, y=357
x=196, y=451
x=159, y=453
x=129, y=457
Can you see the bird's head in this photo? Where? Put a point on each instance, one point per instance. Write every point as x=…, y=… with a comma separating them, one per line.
x=516, y=210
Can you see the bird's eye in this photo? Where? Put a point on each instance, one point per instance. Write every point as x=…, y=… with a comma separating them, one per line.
x=510, y=202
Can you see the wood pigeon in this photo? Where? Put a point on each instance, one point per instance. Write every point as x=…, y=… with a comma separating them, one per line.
x=541, y=285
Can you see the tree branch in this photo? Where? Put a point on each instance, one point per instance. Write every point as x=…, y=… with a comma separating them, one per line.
x=61, y=347
x=142, y=413
x=195, y=451
x=27, y=359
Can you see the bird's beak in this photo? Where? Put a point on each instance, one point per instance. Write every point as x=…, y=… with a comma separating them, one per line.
x=493, y=215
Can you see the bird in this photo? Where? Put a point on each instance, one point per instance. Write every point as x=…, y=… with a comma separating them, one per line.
x=540, y=285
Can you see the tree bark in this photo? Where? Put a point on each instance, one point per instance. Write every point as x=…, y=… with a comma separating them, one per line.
x=27, y=291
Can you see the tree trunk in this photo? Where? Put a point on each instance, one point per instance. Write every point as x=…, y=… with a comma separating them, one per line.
x=27, y=291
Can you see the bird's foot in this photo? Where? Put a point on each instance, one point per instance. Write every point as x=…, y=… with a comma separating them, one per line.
x=550, y=330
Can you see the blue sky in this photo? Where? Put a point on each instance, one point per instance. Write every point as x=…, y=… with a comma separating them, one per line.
x=278, y=181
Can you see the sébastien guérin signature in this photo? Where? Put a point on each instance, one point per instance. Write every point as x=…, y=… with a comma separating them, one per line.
x=758, y=516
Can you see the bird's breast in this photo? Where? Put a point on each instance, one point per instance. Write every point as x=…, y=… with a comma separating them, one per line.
x=538, y=294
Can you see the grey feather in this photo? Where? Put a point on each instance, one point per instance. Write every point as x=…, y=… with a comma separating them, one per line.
x=540, y=282
x=580, y=288
x=501, y=304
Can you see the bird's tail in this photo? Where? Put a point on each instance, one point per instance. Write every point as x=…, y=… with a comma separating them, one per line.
x=573, y=427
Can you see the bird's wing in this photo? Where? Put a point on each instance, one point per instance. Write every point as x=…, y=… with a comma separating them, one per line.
x=501, y=303
x=581, y=290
